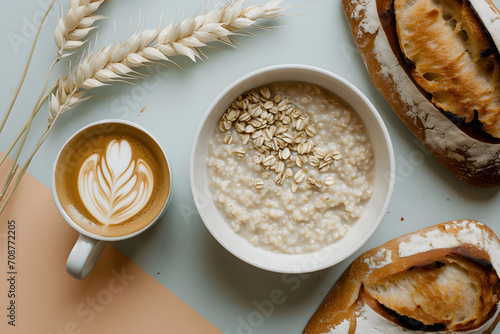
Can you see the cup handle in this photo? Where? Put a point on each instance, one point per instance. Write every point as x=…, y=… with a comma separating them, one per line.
x=83, y=256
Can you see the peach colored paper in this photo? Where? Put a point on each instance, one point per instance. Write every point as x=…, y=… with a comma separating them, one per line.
x=117, y=297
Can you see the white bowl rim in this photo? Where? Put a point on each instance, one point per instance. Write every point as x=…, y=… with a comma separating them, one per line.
x=391, y=174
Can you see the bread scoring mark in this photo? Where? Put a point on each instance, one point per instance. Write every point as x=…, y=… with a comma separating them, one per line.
x=444, y=41
x=475, y=7
x=447, y=43
x=414, y=324
x=432, y=265
x=481, y=258
x=487, y=52
x=453, y=292
x=372, y=322
x=444, y=237
x=391, y=316
x=475, y=162
x=352, y=303
x=473, y=128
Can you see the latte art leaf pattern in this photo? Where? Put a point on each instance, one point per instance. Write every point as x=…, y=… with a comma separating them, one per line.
x=114, y=187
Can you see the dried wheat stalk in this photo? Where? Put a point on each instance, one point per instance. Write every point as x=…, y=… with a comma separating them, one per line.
x=74, y=26
x=23, y=76
x=71, y=29
x=117, y=63
x=177, y=39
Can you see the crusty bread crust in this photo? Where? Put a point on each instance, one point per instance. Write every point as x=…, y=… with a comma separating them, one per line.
x=457, y=139
x=469, y=248
x=450, y=58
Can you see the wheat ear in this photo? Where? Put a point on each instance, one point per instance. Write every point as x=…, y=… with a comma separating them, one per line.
x=176, y=39
x=116, y=63
x=74, y=26
x=71, y=28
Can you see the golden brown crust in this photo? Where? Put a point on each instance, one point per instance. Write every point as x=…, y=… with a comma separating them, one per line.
x=451, y=58
x=442, y=278
x=419, y=90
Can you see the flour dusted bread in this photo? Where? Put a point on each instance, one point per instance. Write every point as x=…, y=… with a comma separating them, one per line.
x=437, y=64
x=441, y=279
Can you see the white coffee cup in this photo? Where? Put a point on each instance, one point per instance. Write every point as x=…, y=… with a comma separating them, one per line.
x=91, y=243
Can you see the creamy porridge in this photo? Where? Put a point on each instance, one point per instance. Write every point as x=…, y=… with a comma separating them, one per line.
x=291, y=167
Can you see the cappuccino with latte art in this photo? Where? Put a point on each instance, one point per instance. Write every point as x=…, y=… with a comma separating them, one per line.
x=112, y=179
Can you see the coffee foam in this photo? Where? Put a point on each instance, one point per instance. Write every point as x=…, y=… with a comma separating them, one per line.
x=94, y=144
x=114, y=186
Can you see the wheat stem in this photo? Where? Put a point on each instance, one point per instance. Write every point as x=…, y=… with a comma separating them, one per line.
x=24, y=131
x=116, y=63
x=71, y=29
x=176, y=39
x=23, y=169
x=32, y=116
x=14, y=142
x=18, y=89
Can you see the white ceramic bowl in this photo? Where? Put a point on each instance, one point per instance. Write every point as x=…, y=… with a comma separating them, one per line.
x=361, y=231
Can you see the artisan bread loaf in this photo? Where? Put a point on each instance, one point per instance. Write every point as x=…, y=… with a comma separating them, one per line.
x=442, y=279
x=437, y=64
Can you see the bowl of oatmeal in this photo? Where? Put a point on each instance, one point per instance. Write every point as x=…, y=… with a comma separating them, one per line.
x=292, y=169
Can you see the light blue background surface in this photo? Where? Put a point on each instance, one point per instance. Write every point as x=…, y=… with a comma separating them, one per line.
x=178, y=251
